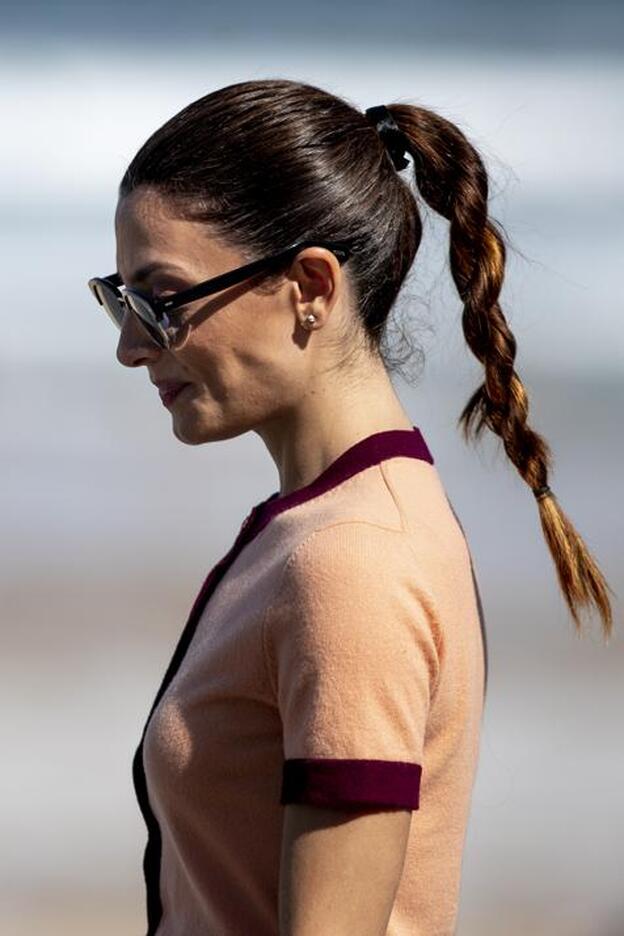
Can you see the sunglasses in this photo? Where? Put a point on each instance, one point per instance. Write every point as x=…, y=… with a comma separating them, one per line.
x=154, y=314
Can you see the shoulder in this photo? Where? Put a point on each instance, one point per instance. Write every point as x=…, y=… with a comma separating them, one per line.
x=357, y=552
x=356, y=580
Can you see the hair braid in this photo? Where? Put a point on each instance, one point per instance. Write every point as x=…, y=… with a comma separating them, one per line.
x=265, y=162
x=452, y=179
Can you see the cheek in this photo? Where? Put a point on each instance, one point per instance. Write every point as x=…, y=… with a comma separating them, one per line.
x=200, y=359
x=249, y=355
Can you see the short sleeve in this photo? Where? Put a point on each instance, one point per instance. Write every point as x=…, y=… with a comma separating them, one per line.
x=353, y=648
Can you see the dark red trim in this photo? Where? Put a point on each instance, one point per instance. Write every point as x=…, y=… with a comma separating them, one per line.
x=351, y=784
x=369, y=451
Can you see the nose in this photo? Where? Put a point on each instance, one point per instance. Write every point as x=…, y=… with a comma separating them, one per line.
x=135, y=346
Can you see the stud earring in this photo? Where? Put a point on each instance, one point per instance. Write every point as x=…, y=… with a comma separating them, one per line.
x=309, y=320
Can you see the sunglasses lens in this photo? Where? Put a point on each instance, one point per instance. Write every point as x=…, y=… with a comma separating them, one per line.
x=112, y=303
x=116, y=308
x=145, y=316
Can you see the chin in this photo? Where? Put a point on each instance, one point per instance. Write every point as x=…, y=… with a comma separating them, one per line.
x=190, y=433
x=197, y=431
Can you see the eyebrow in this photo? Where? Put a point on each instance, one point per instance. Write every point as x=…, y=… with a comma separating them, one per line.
x=147, y=269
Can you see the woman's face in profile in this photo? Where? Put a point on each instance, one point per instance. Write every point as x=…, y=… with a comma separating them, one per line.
x=237, y=351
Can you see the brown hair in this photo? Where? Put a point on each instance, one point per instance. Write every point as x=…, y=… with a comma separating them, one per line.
x=271, y=161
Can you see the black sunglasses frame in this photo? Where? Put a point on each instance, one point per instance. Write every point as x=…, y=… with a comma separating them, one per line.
x=160, y=307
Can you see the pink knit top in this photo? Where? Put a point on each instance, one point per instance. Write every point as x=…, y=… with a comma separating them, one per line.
x=336, y=656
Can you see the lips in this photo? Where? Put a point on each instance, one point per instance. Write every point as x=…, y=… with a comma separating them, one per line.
x=168, y=392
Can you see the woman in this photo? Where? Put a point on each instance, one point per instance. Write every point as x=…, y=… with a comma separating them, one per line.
x=308, y=762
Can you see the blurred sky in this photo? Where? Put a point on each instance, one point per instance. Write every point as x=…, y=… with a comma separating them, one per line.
x=546, y=25
x=537, y=87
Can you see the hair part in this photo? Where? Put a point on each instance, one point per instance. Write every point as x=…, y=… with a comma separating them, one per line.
x=267, y=162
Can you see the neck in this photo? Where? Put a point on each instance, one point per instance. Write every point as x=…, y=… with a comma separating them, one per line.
x=328, y=419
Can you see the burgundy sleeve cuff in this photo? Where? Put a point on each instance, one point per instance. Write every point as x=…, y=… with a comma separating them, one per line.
x=351, y=784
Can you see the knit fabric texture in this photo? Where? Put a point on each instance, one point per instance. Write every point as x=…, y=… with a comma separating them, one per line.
x=336, y=656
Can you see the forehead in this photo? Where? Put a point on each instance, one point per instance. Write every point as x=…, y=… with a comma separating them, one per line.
x=143, y=221
x=147, y=232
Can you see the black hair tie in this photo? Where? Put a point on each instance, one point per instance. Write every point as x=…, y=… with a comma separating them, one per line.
x=393, y=137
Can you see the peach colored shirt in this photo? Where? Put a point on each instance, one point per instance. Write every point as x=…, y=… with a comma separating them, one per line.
x=335, y=656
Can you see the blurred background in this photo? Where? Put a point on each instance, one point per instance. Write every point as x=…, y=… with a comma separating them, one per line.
x=109, y=524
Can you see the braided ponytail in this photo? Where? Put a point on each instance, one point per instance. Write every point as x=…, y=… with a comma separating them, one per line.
x=238, y=160
x=453, y=181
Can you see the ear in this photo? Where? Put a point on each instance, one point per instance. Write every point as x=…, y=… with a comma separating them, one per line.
x=318, y=279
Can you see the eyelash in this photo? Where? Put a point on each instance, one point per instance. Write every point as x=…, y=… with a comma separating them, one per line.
x=173, y=313
x=164, y=295
x=179, y=310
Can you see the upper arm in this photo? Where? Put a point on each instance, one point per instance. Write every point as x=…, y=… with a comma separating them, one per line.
x=340, y=870
x=354, y=654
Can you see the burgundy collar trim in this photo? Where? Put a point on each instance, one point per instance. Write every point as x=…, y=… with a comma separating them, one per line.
x=369, y=451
